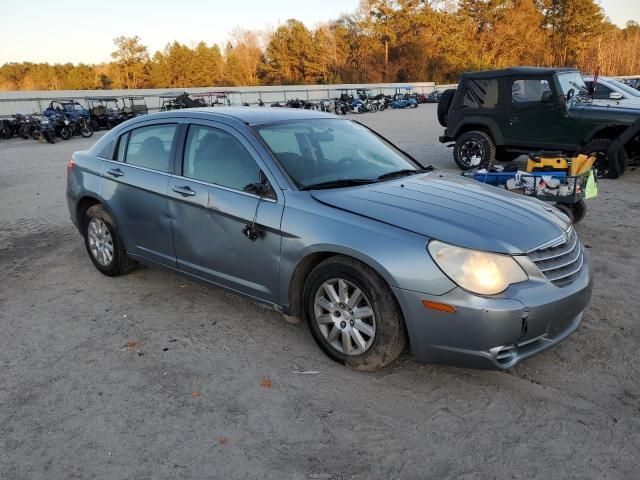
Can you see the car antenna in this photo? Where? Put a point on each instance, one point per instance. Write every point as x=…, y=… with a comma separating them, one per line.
x=595, y=82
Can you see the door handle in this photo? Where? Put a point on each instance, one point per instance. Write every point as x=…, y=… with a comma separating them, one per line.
x=184, y=191
x=115, y=172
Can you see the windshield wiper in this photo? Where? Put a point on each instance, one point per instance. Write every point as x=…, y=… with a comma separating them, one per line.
x=404, y=173
x=344, y=182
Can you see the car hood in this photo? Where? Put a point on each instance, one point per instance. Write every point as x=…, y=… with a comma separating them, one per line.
x=454, y=210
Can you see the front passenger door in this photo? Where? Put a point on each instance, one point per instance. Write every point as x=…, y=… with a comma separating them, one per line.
x=210, y=209
x=529, y=116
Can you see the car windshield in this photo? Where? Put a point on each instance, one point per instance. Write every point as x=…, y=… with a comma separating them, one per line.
x=572, y=80
x=327, y=151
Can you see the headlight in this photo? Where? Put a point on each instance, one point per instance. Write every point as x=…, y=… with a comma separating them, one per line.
x=479, y=272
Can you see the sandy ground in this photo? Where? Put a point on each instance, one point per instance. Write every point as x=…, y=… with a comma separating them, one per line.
x=148, y=376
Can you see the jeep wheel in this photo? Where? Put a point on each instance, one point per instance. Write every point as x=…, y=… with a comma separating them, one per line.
x=473, y=149
x=606, y=167
x=444, y=104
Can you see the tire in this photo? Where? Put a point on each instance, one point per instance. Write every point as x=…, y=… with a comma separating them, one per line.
x=387, y=339
x=86, y=131
x=474, y=149
x=566, y=210
x=66, y=133
x=579, y=210
x=119, y=263
x=49, y=137
x=611, y=168
x=444, y=104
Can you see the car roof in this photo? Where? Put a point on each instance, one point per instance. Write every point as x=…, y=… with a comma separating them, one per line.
x=508, y=72
x=246, y=115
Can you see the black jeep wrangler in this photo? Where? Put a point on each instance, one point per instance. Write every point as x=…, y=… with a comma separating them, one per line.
x=501, y=114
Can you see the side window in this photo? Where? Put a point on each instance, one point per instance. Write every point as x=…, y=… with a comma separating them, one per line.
x=529, y=90
x=150, y=147
x=215, y=156
x=602, y=92
x=481, y=94
x=122, y=147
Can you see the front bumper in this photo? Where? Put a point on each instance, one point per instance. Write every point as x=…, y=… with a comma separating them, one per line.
x=495, y=332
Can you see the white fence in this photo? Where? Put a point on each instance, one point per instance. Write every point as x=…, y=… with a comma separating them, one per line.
x=36, y=101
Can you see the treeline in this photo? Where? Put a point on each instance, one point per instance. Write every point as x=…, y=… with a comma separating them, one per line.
x=383, y=41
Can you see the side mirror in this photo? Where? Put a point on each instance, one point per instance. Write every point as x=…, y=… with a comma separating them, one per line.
x=262, y=189
x=615, y=96
x=547, y=97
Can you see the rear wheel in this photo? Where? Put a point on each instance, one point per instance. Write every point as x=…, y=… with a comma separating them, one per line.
x=606, y=167
x=566, y=210
x=353, y=315
x=474, y=149
x=103, y=243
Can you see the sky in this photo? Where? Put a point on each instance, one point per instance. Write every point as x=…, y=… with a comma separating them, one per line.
x=83, y=31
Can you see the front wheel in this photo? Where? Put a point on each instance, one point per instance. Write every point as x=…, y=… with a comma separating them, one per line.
x=474, y=149
x=353, y=315
x=66, y=133
x=103, y=243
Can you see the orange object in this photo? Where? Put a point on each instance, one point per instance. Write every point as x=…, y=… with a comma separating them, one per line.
x=441, y=307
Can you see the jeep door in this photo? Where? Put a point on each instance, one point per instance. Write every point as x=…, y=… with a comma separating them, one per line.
x=134, y=189
x=212, y=212
x=533, y=116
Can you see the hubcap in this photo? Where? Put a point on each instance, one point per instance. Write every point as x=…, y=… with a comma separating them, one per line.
x=344, y=316
x=100, y=242
x=472, y=152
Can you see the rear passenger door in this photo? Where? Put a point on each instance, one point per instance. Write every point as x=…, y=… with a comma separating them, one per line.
x=135, y=186
x=210, y=209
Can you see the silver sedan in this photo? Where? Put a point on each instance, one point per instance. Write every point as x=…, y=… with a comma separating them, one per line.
x=325, y=220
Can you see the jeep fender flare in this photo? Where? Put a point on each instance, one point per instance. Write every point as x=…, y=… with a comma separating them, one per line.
x=597, y=132
x=480, y=123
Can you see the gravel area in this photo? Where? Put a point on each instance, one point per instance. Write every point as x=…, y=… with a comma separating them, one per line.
x=149, y=376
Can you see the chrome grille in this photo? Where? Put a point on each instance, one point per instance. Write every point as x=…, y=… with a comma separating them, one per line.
x=561, y=261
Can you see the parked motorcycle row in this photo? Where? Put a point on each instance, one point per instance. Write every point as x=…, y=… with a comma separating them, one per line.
x=65, y=118
x=362, y=102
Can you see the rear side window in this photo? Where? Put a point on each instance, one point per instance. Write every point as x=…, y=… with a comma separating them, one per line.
x=150, y=147
x=481, y=94
x=529, y=90
x=215, y=156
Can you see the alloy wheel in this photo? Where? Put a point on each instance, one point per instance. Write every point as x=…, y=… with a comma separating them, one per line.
x=471, y=152
x=100, y=242
x=344, y=316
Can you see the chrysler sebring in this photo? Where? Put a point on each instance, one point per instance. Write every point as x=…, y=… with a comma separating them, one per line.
x=325, y=220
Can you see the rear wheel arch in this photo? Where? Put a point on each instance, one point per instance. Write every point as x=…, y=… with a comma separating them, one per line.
x=84, y=204
x=484, y=125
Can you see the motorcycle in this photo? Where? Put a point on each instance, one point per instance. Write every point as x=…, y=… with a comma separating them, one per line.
x=7, y=128
x=342, y=107
x=324, y=105
x=62, y=126
x=42, y=129
x=81, y=126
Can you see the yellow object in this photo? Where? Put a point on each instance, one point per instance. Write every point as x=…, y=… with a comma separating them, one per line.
x=581, y=164
x=541, y=163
